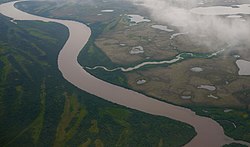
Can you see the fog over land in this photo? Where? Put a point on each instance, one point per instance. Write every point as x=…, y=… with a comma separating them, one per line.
x=214, y=31
x=211, y=30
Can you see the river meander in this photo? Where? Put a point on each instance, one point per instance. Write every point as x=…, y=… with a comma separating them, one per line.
x=209, y=132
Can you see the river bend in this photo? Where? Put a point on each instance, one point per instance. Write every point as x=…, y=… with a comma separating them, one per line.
x=209, y=132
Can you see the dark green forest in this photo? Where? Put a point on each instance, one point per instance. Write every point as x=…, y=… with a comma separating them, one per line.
x=38, y=107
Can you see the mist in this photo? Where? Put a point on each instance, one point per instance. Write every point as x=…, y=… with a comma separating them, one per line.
x=212, y=31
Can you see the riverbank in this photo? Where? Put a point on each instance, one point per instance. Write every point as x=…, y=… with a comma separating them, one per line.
x=127, y=97
x=37, y=111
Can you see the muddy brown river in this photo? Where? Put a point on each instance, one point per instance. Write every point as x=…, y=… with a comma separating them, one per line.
x=209, y=132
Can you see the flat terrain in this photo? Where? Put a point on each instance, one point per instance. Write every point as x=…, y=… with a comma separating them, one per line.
x=171, y=82
x=38, y=107
x=217, y=91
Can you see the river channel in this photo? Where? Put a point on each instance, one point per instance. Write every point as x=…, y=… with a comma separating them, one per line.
x=209, y=132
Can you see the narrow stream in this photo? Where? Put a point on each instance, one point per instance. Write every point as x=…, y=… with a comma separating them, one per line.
x=178, y=58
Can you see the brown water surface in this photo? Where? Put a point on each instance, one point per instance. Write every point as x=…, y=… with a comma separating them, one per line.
x=209, y=132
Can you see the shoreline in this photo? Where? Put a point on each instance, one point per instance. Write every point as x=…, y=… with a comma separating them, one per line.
x=74, y=73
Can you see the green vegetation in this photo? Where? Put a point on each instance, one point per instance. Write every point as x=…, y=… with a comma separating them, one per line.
x=82, y=11
x=27, y=86
x=234, y=145
x=70, y=120
x=240, y=116
x=91, y=51
x=40, y=108
x=234, y=121
x=215, y=73
x=243, y=96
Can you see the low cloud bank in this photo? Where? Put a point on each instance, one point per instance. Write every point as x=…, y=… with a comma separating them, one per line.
x=213, y=31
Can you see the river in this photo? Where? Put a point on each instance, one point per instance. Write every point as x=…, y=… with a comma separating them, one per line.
x=177, y=58
x=209, y=132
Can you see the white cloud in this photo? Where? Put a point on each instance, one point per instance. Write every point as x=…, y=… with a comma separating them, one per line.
x=217, y=29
